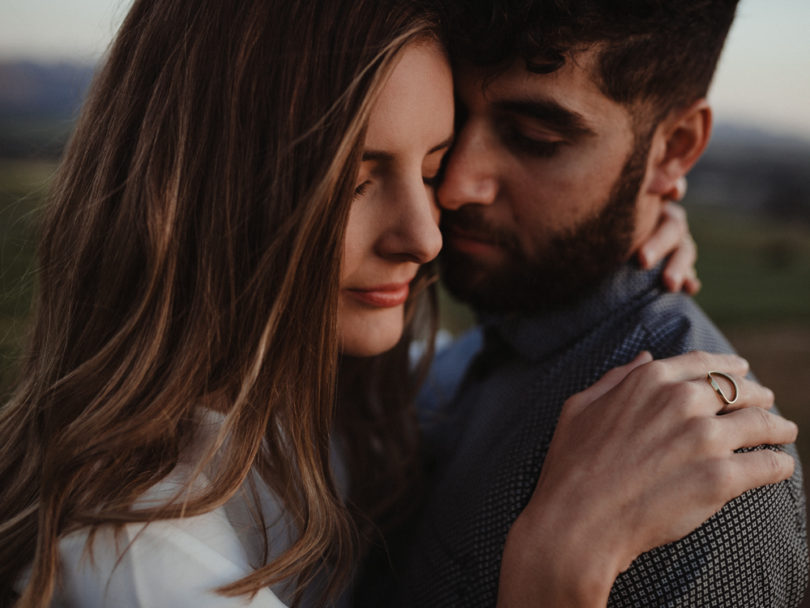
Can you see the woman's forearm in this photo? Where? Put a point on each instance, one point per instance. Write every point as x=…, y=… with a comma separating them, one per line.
x=553, y=565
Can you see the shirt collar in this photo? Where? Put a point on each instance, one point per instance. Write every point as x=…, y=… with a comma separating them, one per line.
x=536, y=337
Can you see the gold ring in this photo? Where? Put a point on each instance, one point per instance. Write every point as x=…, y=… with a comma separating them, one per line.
x=716, y=387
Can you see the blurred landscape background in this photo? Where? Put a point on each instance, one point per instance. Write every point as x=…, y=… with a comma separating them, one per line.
x=748, y=199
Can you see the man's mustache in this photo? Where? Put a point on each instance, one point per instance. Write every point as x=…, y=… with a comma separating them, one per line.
x=470, y=222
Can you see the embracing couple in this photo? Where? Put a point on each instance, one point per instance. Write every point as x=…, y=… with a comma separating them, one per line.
x=219, y=404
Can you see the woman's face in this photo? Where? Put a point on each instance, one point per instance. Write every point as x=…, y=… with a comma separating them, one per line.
x=393, y=221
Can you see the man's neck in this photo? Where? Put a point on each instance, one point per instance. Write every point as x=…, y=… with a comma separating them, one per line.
x=536, y=335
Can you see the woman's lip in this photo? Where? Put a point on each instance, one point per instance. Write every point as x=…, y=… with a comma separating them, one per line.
x=382, y=296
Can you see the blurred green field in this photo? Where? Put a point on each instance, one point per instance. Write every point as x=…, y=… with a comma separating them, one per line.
x=23, y=185
x=755, y=270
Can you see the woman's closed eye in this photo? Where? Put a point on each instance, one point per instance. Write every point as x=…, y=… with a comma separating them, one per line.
x=431, y=181
x=435, y=168
x=361, y=189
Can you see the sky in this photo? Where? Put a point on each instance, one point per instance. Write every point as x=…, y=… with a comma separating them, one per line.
x=763, y=79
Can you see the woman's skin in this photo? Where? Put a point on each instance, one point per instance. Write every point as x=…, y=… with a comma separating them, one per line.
x=601, y=500
x=679, y=273
x=393, y=222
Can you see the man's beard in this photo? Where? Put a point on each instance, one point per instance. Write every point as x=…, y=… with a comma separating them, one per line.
x=570, y=265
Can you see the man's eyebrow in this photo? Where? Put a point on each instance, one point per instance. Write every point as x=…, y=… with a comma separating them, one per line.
x=383, y=156
x=567, y=122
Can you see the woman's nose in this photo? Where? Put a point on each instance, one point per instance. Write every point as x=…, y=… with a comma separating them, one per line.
x=413, y=233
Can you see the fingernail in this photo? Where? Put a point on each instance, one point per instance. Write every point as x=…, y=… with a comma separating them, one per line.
x=646, y=256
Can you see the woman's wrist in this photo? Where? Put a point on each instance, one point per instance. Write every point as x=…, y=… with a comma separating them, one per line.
x=557, y=565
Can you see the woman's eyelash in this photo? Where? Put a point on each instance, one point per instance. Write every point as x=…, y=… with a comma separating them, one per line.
x=432, y=181
x=361, y=189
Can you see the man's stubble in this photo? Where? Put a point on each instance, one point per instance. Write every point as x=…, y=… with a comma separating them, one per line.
x=571, y=264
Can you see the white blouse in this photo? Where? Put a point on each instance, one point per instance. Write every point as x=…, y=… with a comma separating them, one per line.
x=167, y=563
x=180, y=562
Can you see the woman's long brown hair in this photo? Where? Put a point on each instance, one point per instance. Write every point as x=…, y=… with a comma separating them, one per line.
x=190, y=257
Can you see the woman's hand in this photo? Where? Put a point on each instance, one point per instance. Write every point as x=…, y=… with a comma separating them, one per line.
x=672, y=237
x=639, y=459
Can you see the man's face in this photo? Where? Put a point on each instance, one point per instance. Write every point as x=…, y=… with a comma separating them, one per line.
x=539, y=192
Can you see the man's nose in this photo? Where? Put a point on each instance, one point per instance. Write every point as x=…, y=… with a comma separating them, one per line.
x=470, y=174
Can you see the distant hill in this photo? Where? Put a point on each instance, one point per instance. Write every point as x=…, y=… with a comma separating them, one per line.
x=38, y=106
x=29, y=89
x=754, y=170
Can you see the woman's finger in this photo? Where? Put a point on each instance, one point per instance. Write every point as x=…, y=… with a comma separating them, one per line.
x=692, y=285
x=608, y=381
x=748, y=470
x=671, y=229
x=748, y=393
x=680, y=265
x=690, y=366
x=752, y=427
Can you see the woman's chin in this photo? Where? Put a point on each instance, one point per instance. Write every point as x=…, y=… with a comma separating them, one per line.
x=371, y=339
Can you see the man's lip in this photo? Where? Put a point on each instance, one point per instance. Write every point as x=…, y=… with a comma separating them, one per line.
x=381, y=296
x=469, y=242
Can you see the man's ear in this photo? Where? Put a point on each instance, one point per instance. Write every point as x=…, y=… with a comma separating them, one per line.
x=678, y=142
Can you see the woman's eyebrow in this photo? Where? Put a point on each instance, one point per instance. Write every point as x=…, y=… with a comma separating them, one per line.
x=377, y=155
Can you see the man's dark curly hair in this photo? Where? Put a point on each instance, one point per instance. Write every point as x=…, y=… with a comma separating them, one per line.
x=662, y=52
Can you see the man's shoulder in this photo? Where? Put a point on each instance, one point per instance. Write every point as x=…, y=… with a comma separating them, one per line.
x=673, y=323
x=753, y=552
x=760, y=535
